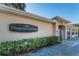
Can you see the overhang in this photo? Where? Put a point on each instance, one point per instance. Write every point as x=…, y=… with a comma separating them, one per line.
x=61, y=19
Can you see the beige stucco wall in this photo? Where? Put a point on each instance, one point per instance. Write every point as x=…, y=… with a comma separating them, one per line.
x=67, y=25
x=57, y=23
x=44, y=28
x=71, y=28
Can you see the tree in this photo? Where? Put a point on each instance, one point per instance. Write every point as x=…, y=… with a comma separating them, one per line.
x=20, y=6
x=77, y=25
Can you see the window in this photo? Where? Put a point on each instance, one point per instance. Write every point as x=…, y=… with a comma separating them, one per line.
x=76, y=33
x=68, y=37
x=68, y=33
x=72, y=33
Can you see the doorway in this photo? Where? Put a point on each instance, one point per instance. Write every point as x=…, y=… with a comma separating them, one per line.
x=61, y=32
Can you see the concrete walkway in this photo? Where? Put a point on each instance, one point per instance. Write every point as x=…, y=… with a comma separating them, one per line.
x=68, y=48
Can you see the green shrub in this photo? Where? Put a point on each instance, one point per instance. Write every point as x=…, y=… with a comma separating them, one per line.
x=52, y=39
x=43, y=41
x=11, y=47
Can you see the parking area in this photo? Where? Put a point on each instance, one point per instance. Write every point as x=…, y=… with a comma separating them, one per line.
x=67, y=48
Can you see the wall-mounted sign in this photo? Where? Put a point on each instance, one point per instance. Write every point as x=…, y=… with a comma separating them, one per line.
x=16, y=27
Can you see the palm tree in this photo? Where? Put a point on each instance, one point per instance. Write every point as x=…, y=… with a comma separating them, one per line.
x=20, y=6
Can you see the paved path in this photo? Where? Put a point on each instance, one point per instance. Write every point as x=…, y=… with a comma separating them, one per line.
x=68, y=48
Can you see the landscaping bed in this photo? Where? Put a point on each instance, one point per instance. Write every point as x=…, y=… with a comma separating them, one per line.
x=26, y=45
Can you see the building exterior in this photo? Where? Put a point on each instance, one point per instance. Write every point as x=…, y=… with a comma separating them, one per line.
x=16, y=24
x=72, y=31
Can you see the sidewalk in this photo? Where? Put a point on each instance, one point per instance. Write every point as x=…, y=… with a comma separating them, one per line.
x=68, y=48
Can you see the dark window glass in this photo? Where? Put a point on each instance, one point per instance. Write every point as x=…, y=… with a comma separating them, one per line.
x=76, y=33
x=68, y=33
x=68, y=37
x=72, y=33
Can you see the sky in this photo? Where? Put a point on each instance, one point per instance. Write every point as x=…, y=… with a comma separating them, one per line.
x=50, y=10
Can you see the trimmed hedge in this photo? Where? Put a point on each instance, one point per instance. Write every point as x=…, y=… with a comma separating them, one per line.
x=11, y=47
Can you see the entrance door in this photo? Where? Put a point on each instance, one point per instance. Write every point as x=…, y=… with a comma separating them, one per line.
x=62, y=32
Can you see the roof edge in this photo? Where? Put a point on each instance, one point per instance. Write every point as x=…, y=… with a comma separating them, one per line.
x=61, y=18
x=23, y=13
